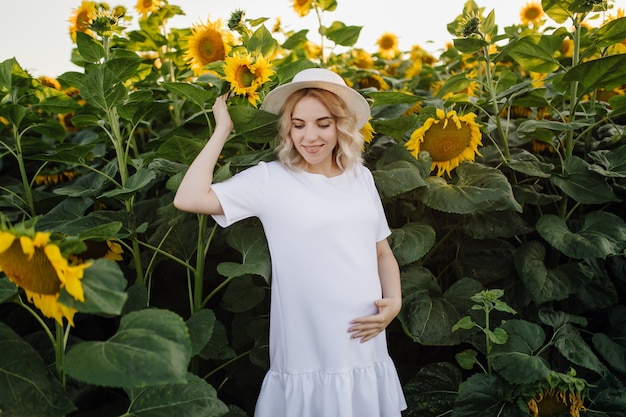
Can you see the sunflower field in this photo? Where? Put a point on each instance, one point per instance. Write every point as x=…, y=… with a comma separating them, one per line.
x=501, y=164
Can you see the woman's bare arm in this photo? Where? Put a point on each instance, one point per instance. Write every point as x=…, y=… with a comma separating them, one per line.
x=194, y=193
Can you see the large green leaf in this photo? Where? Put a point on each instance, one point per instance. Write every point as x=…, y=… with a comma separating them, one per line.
x=398, y=178
x=103, y=284
x=412, y=241
x=242, y=294
x=89, y=48
x=517, y=360
x=102, y=89
x=574, y=348
x=478, y=189
x=483, y=395
x=343, y=35
x=545, y=284
x=602, y=234
x=432, y=391
x=607, y=72
x=200, y=326
x=428, y=316
x=181, y=149
x=194, y=398
x=136, y=182
x=498, y=224
x=609, y=163
x=536, y=52
x=192, y=92
x=610, y=33
x=611, y=351
x=151, y=347
x=557, y=10
x=28, y=386
x=249, y=240
x=8, y=290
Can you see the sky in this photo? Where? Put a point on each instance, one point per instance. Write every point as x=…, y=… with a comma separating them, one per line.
x=35, y=32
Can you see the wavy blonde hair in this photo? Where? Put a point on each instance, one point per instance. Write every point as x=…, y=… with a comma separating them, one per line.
x=347, y=153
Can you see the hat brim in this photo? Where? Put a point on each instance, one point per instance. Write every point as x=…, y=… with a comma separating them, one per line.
x=276, y=98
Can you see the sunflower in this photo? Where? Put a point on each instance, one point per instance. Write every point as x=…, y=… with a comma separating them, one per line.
x=246, y=75
x=312, y=50
x=368, y=132
x=81, y=19
x=107, y=249
x=302, y=7
x=56, y=176
x=388, y=46
x=38, y=267
x=50, y=82
x=145, y=7
x=362, y=59
x=449, y=139
x=373, y=81
x=531, y=13
x=207, y=43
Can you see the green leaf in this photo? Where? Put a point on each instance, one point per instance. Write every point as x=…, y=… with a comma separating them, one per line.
x=466, y=323
x=610, y=33
x=262, y=42
x=582, y=184
x=395, y=127
x=103, y=284
x=498, y=224
x=343, y=35
x=54, y=101
x=428, y=317
x=8, y=290
x=573, y=347
x=516, y=360
x=497, y=336
x=557, y=10
x=193, y=398
x=192, y=92
x=136, y=182
x=612, y=352
x=103, y=89
x=536, y=53
x=483, y=395
x=529, y=164
x=432, y=391
x=242, y=295
x=467, y=358
x=478, y=188
x=124, y=67
x=601, y=235
x=545, y=284
x=181, y=149
x=607, y=72
x=68, y=153
x=609, y=163
x=249, y=240
x=390, y=98
x=151, y=347
x=90, y=49
x=200, y=326
x=411, y=242
x=398, y=178
x=453, y=84
x=469, y=45
x=28, y=387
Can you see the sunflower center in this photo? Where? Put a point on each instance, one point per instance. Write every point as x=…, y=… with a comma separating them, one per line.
x=36, y=275
x=302, y=2
x=444, y=144
x=387, y=42
x=211, y=47
x=244, y=76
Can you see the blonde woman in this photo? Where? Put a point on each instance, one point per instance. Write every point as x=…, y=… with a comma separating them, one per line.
x=335, y=282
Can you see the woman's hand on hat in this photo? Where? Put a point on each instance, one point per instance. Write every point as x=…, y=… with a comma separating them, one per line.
x=368, y=327
x=221, y=115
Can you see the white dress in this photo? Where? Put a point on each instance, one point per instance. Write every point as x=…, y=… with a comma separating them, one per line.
x=322, y=235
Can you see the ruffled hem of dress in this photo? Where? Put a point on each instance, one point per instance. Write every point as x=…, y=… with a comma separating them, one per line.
x=374, y=391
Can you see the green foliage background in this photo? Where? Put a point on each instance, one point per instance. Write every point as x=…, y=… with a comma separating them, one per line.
x=513, y=268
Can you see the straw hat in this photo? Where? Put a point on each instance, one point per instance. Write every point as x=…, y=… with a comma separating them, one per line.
x=323, y=79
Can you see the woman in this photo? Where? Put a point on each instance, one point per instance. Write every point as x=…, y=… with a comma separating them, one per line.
x=335, y=282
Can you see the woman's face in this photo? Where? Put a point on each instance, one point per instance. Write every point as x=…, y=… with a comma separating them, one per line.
x=314, y=134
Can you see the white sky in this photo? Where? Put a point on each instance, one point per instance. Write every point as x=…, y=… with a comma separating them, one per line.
x=35, y=32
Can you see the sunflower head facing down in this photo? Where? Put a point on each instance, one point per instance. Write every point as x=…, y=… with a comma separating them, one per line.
x=449, y=139
x=247, y=75
x=36, y=264
x=208, y=42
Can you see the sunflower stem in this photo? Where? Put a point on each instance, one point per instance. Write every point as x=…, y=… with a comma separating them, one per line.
x=59, y=352
x=200, y=260
x=494, y=104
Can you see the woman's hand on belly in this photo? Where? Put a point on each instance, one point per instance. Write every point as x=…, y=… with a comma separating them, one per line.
x=368, y=327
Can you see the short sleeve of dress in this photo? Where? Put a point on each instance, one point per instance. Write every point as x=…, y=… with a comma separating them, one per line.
x=383, y=227
x=243, y=195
